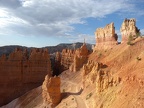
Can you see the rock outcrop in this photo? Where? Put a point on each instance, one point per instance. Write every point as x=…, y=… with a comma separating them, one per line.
x=93, y=72
x=82, y=51
x=128, y=28
x=80, y=58
x=51, y=91
x=106, y=37
x=21, y=72
x=67, y=58
x=73, y=59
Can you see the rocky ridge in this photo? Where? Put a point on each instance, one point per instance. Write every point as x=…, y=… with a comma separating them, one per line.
x=52, y=49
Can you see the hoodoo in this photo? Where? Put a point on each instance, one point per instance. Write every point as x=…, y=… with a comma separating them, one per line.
x=73, y=59
x=80, y=58
x=67, y=58
x=128, y=28
x=51, y=91
x=106, y=37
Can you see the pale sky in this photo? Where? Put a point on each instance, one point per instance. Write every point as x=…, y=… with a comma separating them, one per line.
x=39, y=23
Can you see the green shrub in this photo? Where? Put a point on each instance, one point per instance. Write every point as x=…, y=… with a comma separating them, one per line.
x=138, y=34
x=88, y=96
x=130, y=39
x=72, y=98
x=130, y=43
x=99, y=55
x=63, y=90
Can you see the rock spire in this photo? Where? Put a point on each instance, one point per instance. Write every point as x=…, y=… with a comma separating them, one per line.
x=128, y=28
x=106, y=37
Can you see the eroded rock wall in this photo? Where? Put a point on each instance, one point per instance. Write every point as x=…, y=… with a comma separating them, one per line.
x=74, y=59
x=95, y=73
x=21, y=72
x=67, y=58
x=128, y=28
x=106, y=37
x=80, y=57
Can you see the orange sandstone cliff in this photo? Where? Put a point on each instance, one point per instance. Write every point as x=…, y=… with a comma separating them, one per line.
x=21, y=72
x=71, y=59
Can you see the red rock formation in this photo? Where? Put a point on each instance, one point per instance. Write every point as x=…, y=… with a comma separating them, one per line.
x=106, y=37
x=93, y=72
x=51, y=91
x=80, y=58
x=67, y=58
x=128, y=28
x=71, y=59
x=20, y=73
x=82, y=51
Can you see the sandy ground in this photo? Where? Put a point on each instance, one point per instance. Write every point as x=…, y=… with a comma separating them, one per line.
x=72, y=91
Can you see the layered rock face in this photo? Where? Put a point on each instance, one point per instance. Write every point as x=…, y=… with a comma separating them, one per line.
x=21, y=72
x=128, y=28
x=51, y=91
x=82, y=51
x=80, y=58
x=93, y=72
x=106, y=37
x=67, y=58
x=70, y=59
x=74, y=59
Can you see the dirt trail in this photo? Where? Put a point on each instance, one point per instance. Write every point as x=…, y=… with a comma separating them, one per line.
x=76, y=91
x=80, y=102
